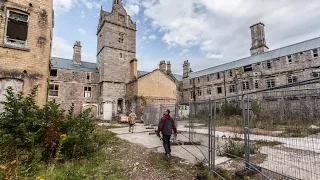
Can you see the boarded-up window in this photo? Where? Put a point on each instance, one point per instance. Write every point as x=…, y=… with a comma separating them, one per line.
x=16, y=85
x=16, y=28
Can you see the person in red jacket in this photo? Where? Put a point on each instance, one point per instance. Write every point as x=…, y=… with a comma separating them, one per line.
x=166, y=125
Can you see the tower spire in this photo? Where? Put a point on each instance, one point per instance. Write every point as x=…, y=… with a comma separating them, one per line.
x=117, y=2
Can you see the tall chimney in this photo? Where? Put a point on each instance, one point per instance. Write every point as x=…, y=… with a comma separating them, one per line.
x=258, y=39
x=162, y=66
x=77, y=53
x=133, y=69
x=186, y=69
x=169, y=67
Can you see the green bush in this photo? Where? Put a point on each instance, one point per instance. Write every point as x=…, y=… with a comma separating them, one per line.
x=80, y=136
x=30, y=135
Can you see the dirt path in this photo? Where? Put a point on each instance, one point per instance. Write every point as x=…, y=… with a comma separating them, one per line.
x=144, y=164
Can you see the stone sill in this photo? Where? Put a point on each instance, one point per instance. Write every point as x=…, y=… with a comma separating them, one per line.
x=14, y=47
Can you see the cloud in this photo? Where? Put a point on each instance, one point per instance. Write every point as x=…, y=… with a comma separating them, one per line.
x=185, y=52
x=132, y=9
x=83, y=15
x=63, y=5
x=220, y=29
x=214, y=56
x=144, y=38
x=90, y=4
x=61, y=48
x=152, y=37
x=82, y=31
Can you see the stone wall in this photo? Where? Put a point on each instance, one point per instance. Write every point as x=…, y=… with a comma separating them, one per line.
x=72, y=85
x=301, y=65
x=28, y=61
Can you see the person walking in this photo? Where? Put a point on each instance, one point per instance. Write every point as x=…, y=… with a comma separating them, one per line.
x=166, y=125
x=132, y=120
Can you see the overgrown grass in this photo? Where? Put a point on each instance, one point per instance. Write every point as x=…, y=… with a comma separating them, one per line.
x=234, y=149
x=102, y=164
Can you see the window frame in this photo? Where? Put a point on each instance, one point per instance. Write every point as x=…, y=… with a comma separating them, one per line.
x=232, y=88
x=219, y=88
x=270, y=82
x=56, y=72
x=6, y=28
x=199, y=92
x=57, y=90
x=245, y=85
x=313, y=53
x=87, y=92
x=292, y=79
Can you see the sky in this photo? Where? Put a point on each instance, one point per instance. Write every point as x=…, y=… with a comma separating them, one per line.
x=205, y=32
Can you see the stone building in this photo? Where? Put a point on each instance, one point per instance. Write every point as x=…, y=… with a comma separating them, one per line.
x=25, y=46
x=263, y=69
x=113, y=85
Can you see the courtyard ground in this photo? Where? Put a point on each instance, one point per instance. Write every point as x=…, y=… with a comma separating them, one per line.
x=294, y=157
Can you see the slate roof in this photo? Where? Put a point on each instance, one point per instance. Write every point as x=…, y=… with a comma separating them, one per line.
x=272, y=54
x=62, y=63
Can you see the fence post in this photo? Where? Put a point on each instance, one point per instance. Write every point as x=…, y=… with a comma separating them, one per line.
x=190, y=112
x=244, y=128
x=247, y=132
x=214, y=134
x=209, y=134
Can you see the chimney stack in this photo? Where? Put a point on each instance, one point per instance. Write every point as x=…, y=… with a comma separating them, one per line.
x=162, y=66
x=77, y=53
x=133, y=69
x=169, y=67
x=258, y=39
x=186, y=69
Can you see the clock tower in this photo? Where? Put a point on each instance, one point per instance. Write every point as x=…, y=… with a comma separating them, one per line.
x=116, y=47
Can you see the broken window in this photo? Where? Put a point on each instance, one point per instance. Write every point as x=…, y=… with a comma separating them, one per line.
x=87, y=92
x=230, y=73
x=245, y=85
x=315, y=74
x=219, y=90
x=16, y=29
x=198, y=80
x=256, y=84
x=292, y=79
x=88, y=76
x=218, y=75
x=232, y=88
x=289, y=59
x=271, y=83
x=53, y=89
x=53, y=72
x=315, y=53
x=192, y=94
x=268, y=64
x=199, y=93
x=208, y=78
x=121, y=37
x=247, y=68
x=208, y=91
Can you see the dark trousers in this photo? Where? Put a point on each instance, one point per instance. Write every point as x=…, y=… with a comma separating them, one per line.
x=167, y=144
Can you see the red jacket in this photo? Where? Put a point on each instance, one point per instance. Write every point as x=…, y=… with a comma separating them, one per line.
x=166, y=125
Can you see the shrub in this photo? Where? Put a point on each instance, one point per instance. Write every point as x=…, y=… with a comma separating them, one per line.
x=29, y=134
x=20, y=130
x=79, y=131
x=235, y=149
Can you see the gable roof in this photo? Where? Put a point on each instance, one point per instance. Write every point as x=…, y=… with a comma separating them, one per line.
x=62, y=63
x=273, y=54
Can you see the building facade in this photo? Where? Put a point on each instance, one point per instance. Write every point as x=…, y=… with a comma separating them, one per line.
x=25, y=46
x=113, y=86
x=263, y=69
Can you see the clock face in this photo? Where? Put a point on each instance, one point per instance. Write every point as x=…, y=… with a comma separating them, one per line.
x=121, y=17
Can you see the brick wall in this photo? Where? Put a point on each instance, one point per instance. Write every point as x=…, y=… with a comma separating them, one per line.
x=31, y=62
